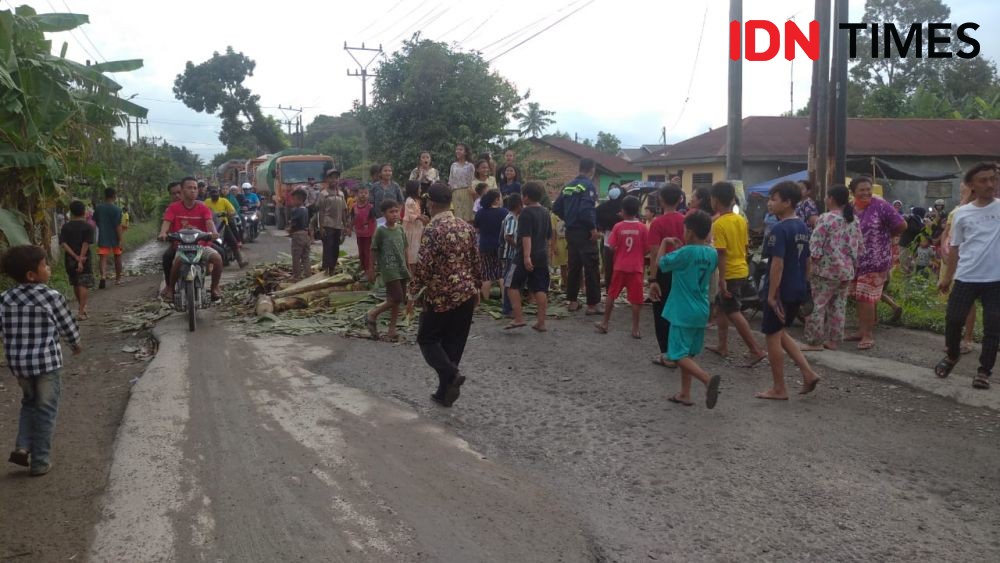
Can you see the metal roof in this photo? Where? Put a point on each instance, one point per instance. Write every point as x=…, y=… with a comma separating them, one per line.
x=766, y=138
x=604, y=160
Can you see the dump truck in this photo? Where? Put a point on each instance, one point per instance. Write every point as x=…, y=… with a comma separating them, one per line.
x=231, y=173
x=287, y=170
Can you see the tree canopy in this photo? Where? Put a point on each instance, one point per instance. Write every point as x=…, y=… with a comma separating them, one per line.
x=216, y=86
x=533, y=120
x=428, y=97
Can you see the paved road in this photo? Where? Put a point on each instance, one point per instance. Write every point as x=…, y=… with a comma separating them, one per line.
x=562, y=447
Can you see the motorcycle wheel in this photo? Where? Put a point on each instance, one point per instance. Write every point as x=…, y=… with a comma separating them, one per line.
x=189, y=294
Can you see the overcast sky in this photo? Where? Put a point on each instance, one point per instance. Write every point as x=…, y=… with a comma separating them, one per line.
x=629, y=67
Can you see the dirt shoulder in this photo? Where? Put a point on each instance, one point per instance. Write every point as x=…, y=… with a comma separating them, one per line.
x=50, y=518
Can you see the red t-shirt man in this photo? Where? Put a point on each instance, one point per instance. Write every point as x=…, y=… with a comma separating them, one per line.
x=198, y=217
x=630, y=239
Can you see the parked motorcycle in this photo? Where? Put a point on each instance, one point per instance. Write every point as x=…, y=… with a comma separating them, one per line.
x=190, y=293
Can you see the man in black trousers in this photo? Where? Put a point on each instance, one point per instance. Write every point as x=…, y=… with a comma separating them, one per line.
x=447, y=280
x=576, y=206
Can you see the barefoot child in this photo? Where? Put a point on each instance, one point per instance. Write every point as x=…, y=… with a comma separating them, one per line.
x=363, y=221
x=628, y=240
x=32, y=318
x=691, y=267
x=531, y=263
x=389, y=248
x=731, y=236
x=300, y=237
x=509, y=248
x=75, y=238
x=787, y=250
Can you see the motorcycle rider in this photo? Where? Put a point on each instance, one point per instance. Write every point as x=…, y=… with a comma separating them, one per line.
x=191, y=213
x=252, y=207
x=253, y=200
x=221, y=207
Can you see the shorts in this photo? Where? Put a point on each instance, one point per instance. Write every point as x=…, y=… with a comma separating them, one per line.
x=81, y=279
x=771, y=324
x=868, y=287
x=684, y=342
x=536, y=281
x=631, y=282
x=394, y=292
x=105, y=250
x=731, y=304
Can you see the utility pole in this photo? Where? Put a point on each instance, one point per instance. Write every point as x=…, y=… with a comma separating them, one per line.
x=819, y=119
x=734, y=128
x=838, y=111
x=363, y=68
x=288, y=121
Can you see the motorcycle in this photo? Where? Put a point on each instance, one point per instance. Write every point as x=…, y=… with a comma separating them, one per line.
x=251, y=221
x=190, y=293
x=220, y=246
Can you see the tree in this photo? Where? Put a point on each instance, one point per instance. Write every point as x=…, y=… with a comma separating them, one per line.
x=428, y=97
x=607, y=142
x=341, y=137
x=57, y=120
x=216, y=85
x=534, y=120
x=561, y=134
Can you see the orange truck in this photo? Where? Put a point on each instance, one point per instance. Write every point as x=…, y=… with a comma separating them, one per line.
x=287, y=170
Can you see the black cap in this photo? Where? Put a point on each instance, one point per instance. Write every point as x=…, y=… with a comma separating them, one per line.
x=439, y=193
x=213, y=188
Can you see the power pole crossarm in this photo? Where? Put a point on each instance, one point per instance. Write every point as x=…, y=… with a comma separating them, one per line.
x=363, y=68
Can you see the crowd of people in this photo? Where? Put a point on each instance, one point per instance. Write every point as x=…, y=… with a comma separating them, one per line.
x=443, y=246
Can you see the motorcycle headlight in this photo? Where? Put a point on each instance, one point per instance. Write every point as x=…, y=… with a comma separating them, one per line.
x=253, y=217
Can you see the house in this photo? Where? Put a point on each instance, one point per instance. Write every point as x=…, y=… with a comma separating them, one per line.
x=916, y=160
x=565, y=156
x=641, y=152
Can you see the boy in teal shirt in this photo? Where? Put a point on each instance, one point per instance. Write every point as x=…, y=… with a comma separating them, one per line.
x=389, y=248
x=687, y=308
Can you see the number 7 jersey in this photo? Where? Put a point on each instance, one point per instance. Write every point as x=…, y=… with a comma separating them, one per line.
x=691, y=267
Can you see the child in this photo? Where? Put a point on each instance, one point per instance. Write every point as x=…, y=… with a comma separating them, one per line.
x=731, y=240
x=925, y=254
x=531, y=263
x=363, y=219
x=298, y=232
x=509, y=248
x=75, y=238
x=691, y=266
x=787, y=250
x=668, y=225
x=413, y=222
x=489, y=222
x=481, y=188
x=628, y=239
x=389, y=248
x=32, y=317
x=560, y=253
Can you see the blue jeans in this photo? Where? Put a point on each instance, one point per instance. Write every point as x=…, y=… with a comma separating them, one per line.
x=39, y=406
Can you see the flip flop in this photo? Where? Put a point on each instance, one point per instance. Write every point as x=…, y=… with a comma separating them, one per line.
x=768, y=397
x=675, y=399
x=637, y=336
x=981, y=381
x=661, y=361
x=715, y=350
x=755, y=361
x=866, y=344
x=515, y=325
x=966, y=348
x=601, y=328
x=712, y=391
x=539, y=329
x=809, y=387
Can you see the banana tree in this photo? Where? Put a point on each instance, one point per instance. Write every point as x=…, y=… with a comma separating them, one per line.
x=55, y=115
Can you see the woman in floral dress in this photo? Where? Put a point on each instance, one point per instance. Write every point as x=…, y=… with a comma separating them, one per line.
x=835, y=247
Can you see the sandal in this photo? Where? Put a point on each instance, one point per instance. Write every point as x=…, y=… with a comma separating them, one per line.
x=661, y=361
x=601, y=328
x=966, y=347
x=944, y=367
x=679, y=401
x=866, y=344
x=982, y=381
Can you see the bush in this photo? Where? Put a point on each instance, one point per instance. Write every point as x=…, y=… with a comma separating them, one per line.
x=923, y=307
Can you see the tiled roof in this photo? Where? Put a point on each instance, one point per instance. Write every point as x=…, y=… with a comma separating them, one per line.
x=604, y=160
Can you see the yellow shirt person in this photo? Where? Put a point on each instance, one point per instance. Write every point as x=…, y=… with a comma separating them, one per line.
x=221, y=207
x=731, y=234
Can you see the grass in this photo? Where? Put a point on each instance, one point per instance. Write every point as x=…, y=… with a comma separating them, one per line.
x=139, y=234
x=923, y=307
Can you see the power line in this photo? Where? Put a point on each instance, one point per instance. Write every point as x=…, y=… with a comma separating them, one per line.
x=85, y=36
x=426, y=20
x=378, y=18
x=478, y=27
x=402, y=18
x=694, y=65
x=445, y=34
x=543, y=30
x=524, y=29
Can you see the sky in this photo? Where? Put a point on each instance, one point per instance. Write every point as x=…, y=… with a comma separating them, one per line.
x=629, y=67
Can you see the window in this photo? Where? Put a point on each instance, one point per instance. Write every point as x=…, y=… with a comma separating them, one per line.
x=939, y=190
x=703, y=179
x=657, y=178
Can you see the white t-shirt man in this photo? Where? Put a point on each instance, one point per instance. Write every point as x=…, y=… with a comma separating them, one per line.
x=976, y=233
